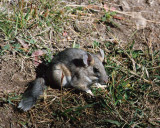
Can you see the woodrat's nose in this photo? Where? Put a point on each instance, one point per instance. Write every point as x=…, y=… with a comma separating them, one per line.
x=104, y=80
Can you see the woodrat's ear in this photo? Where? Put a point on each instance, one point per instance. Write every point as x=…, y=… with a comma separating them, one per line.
x=88, y=59
x=101, y=55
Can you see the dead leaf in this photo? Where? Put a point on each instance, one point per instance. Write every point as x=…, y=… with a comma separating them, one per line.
x=118, y=17
x=37, y=53
x=65, y=33
x=36, y=59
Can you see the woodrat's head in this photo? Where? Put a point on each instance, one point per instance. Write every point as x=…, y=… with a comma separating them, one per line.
x=94, y=67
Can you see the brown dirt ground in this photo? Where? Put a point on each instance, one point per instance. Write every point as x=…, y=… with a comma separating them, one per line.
x=16, y=73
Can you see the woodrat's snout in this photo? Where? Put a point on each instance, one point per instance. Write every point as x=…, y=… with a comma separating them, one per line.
x=103, y=80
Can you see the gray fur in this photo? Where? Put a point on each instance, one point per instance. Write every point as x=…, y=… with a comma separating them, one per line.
x=71, y=67
x=31, y=94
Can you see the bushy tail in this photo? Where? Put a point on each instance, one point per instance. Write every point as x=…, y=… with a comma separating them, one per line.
x=32, y=93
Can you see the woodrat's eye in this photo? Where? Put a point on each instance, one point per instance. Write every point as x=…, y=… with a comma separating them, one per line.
x=95, y=70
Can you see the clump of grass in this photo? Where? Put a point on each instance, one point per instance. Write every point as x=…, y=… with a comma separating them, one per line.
x=133, y=78
x=108, y=20
x=24, y=29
